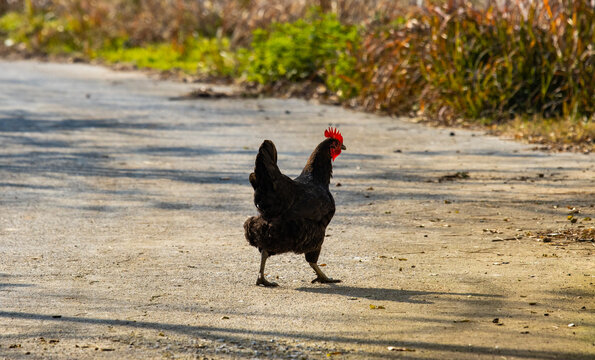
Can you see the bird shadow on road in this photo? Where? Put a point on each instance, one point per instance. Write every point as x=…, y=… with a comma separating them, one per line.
x=383, y=294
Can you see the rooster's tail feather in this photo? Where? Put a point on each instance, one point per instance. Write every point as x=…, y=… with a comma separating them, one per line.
x=273, y=191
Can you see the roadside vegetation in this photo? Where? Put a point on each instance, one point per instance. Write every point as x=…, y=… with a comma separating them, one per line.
x=526, y=69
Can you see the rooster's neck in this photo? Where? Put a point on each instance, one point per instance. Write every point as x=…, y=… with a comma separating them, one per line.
x=319, y=166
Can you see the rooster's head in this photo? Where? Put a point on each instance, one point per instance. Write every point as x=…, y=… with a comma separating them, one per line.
x=337, y=145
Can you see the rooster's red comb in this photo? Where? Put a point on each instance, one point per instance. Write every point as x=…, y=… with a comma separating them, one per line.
x=333, y=134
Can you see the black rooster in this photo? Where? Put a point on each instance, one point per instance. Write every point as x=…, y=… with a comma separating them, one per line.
x=294, y=214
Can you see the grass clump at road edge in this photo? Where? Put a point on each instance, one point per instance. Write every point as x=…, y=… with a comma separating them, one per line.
x=201, y=56
x=554, y=134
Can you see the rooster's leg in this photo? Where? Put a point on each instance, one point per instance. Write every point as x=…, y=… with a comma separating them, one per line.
x=261, y=280
x=321, y=277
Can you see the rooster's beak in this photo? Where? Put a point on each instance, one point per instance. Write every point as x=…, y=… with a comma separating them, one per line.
x=343, y=147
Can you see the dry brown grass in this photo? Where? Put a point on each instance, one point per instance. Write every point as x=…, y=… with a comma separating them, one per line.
x=173, y=20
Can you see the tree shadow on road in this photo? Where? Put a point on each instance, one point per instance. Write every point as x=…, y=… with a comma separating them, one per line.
x=4, y=284
x=239, y=335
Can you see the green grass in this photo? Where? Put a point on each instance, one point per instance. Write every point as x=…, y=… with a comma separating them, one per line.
x=314, y=48
x=202, y=56
x=46, y=33
x=41, y=32
x=11, y=22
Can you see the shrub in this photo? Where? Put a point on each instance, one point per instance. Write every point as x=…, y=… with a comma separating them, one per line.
x=502, y=62
x=389, y=67
x=495, y=63
x=314, y=48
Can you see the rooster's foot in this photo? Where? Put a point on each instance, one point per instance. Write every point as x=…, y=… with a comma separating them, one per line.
x=321, y=277
x=264, y=282
x=261, y=279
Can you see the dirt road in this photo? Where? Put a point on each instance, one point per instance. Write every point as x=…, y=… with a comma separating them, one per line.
x=121, y=235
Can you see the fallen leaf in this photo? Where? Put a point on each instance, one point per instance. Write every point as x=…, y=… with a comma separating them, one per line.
x=333, y=353
x=322, y=265
x=224, y=317
x=571, y=325
x=376, y=307
x=462, y=321
x=392, y=348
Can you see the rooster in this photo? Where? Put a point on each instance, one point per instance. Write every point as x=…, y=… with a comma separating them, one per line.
x=294, y=213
